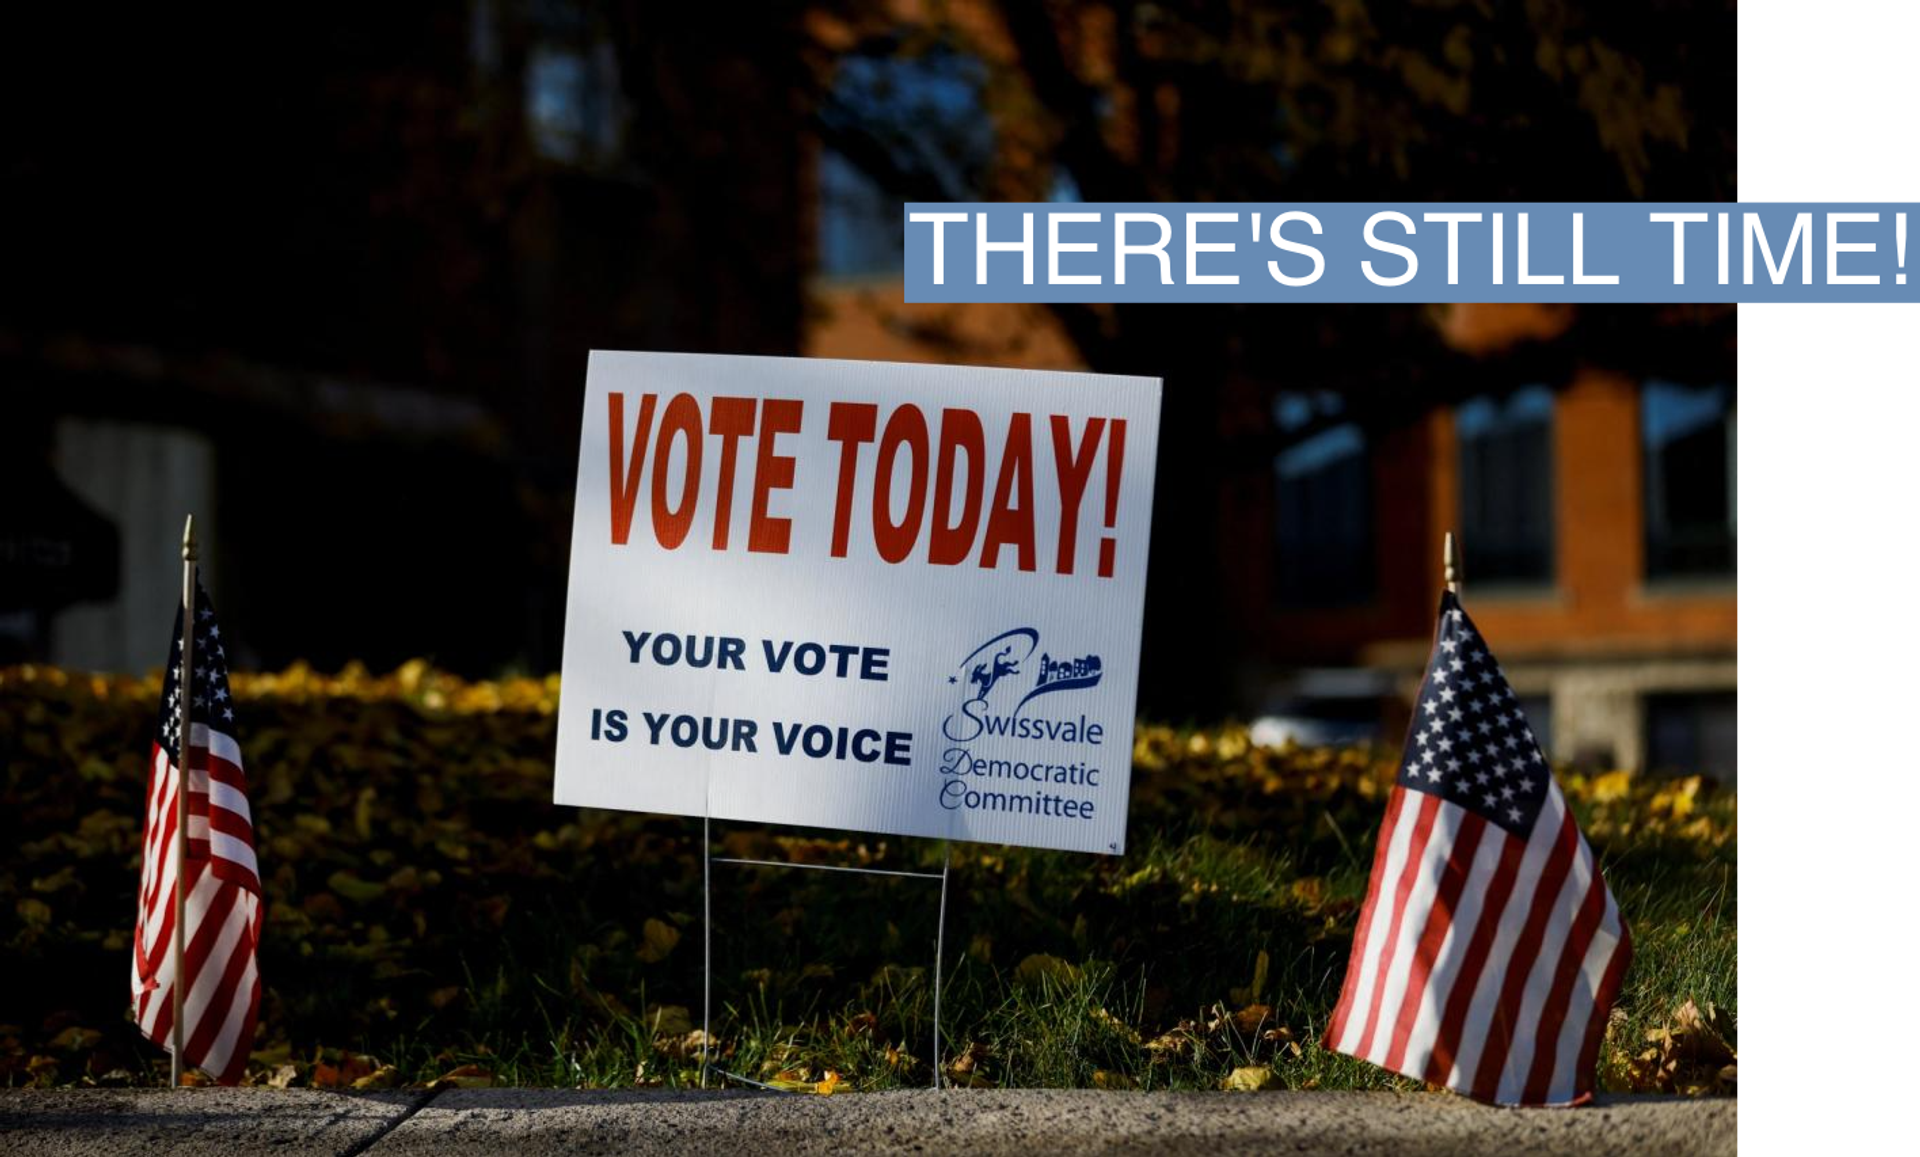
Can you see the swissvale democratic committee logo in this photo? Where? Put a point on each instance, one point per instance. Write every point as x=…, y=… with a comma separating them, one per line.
x=1012, y=745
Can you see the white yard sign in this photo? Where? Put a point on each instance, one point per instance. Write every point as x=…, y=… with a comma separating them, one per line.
x=888, y=598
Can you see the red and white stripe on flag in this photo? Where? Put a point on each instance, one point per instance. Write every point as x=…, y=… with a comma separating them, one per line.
x=1489, y=950
x=223, y=905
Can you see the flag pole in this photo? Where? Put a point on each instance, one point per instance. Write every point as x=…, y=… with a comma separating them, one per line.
x=1449, y=561
x=189, y=555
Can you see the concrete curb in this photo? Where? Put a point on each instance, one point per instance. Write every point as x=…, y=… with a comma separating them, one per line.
x=983, y=1123
x=196, y=1121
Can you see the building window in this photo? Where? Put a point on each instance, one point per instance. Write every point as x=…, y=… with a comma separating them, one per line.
x=574, y=108
x=1506, y=487
x=1323, y=507
x=1693, y=734
x=1539, y=712
x=860, y=233
x=920, y=117
x=1687, y=433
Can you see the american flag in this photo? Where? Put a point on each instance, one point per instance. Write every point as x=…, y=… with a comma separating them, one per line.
x=1488, y=950
x=223, y=878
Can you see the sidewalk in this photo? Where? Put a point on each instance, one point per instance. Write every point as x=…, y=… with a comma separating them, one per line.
x=1026, y=1123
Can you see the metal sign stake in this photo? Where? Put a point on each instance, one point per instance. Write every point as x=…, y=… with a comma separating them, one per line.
x=939, y=957
x=708, y=859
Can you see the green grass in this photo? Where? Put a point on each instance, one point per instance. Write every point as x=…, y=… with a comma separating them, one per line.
x=431, y=910
x=816, y=973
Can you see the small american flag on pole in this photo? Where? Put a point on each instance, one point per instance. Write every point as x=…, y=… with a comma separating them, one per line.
x=221, y=996
x=1488, y=950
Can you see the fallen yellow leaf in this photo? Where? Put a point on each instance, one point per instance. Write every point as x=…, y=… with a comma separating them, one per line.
x=657, y=939
x=1251, y=1079
x=1610, y=786
x=75, y=1039
x=465, y=1077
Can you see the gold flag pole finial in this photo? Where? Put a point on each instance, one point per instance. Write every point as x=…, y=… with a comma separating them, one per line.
x=1448, y=558
x=189, y=553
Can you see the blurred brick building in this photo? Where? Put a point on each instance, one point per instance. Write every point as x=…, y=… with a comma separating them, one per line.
x=1595, y=504
x=1586, y=459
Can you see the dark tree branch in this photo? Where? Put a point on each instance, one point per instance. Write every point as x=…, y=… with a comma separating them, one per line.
x=883, y=161
x=1083, y=151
